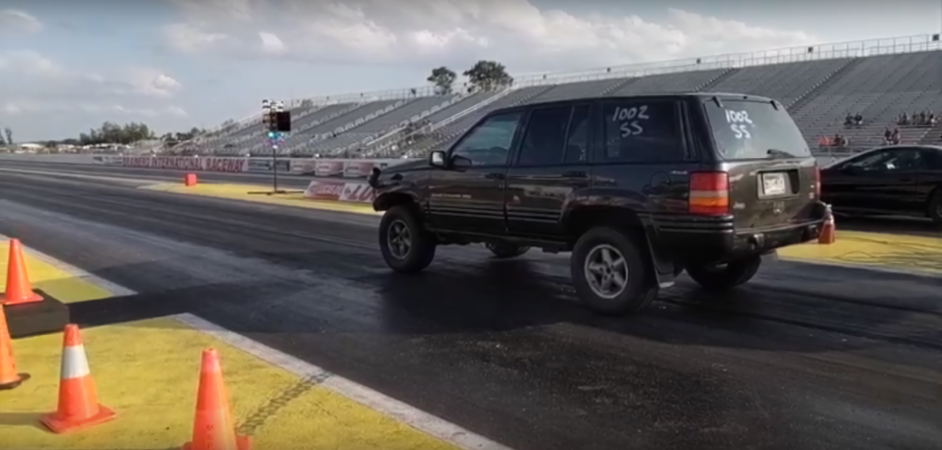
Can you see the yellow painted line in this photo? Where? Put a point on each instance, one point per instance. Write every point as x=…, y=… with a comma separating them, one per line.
x=240, y=192
x=876, y=250
x=61, y=281
x=147, y=371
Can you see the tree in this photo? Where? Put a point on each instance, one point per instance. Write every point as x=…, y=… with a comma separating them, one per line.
x=7, y=131
x=443, y=78
x=488, y=75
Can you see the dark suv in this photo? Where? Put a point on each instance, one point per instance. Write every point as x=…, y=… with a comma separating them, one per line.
x=638, y=188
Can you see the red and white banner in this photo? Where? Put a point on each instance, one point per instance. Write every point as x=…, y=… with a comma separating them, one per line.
x=340, y=191
x=325, y=190
x=358, y=193
x=209, y=164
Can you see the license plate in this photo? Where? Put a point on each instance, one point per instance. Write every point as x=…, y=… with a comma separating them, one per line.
x=773, y=184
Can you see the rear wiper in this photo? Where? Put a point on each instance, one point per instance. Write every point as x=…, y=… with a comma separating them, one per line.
x=776, y=153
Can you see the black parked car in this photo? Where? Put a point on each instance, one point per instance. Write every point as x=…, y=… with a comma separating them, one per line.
x=638, y=189
x=897, y=180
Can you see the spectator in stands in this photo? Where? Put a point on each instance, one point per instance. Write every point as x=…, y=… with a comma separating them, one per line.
x=923, y=118
x=858, y=119
x=849, y=120
x=903, y=119
x=887, y=135
x=824, y=141
x=895, y=138
x=931, y=118
x=839, y=140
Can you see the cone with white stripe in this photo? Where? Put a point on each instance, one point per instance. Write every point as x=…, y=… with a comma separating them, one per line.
x=78, y=398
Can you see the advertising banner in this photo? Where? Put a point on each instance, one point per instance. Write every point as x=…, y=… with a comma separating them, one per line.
x=259, y=165
x=329, y=168
x=357, y=193
x=209, y=164
x=358, y=168
x=325, y=190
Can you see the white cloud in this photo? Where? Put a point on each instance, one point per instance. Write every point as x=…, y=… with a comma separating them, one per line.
x=33, y=84
x=16, y=21
x=457, y=32
x=31, y=106
x=28, y=63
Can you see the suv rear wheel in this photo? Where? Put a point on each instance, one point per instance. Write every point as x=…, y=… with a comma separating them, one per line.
x=504, y=251
x=610, y=273
x=404, y=243
x=723, y=277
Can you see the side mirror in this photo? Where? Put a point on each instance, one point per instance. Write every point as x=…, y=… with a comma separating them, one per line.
x=460, y=162
x=437, y=159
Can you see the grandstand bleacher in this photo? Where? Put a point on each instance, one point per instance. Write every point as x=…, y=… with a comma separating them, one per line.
x=820, y=85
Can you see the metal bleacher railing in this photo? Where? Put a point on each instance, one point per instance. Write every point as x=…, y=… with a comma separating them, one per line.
x=820, y=84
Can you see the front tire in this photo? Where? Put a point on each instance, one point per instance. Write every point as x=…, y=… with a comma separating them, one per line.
x=406, y=246
x=506, y=251
x=724, y=277
x=610, y=272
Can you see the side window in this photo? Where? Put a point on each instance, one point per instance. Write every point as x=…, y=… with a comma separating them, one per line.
x=890, y=160
x=577, y=143
x=642, y=131
x=489, y=143
x=545, y=139
x=933, y=159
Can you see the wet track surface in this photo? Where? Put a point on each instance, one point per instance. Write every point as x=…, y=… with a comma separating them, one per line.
x=805, y=356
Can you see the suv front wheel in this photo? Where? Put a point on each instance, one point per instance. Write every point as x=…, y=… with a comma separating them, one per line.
x=610, y=273
x=723, y=277
x=406, y=246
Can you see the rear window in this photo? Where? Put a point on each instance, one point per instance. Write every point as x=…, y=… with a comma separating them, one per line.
x=754, y=130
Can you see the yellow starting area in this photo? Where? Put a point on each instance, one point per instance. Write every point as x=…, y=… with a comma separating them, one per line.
x=148, y=372
x=241, y=192
x=876, y=250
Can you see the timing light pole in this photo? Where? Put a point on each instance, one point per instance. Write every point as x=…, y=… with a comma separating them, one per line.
x=276, y=122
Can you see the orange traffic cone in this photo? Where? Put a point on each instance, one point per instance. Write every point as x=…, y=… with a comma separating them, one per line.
x=828, y=231
x=213, y=428
x=78, y=398
x=18, y=290
x=9, y=377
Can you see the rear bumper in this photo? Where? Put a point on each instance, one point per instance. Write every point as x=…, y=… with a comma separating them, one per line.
x=720, y=240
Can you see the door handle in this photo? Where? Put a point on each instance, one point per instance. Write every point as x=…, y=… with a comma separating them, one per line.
x=494, y=176
x=575, y=174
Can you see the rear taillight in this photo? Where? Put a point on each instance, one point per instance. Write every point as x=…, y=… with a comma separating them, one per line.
x=817, y=181
x=709, y=193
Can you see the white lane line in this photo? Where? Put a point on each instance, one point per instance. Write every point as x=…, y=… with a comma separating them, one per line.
x=114, y=289
x=396, y=409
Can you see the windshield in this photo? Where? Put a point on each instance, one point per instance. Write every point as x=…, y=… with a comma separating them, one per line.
x=747, y=129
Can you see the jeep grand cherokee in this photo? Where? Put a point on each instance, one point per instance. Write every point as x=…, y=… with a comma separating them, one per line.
x=638, y=188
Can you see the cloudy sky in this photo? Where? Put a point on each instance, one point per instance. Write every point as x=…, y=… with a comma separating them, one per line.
x=66, y=66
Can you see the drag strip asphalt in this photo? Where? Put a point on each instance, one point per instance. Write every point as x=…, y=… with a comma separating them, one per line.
x=803, y=357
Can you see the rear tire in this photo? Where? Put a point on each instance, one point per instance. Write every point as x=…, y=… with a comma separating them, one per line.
x=406, y=246
x=626, y=260
x=506, y=251
x=717, y=278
